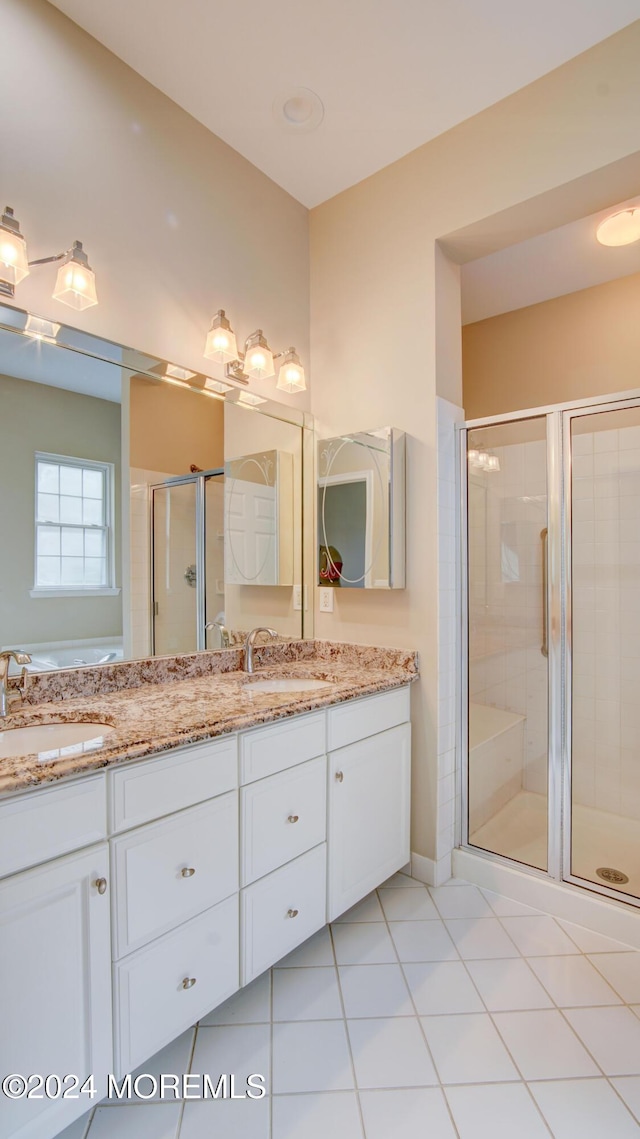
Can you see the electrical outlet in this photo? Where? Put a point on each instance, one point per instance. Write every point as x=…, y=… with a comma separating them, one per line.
x=326, y=599
x=297, y=597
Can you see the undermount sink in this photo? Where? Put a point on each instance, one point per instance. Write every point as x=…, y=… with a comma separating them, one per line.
x=53, y=741
x=287, y=684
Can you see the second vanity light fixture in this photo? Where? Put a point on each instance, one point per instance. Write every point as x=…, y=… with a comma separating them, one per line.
x=75, y=284
x=256, y=361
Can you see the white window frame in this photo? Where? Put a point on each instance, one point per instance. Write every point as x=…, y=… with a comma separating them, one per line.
x=108, y=471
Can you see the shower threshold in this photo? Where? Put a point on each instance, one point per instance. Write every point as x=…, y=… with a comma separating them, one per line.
x=600, y=839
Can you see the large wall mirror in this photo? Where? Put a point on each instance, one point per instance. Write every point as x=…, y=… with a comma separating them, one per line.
x=361, y=510
x=144, y=509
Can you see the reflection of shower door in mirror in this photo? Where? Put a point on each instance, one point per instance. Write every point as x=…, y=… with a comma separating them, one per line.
x=187, y=575
x=175, y=611
x=507, y=518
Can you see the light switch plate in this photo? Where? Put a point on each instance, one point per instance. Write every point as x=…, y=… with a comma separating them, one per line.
x=297, y=597
x=325, y=599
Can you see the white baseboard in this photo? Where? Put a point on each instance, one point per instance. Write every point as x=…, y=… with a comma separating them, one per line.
x=429, y=871
x=561, y=899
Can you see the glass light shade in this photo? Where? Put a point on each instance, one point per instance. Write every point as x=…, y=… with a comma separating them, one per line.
x=76, y=283
x=620, y=229
x=14, y=266
x=40, y=329
x=221, y=340
x=493, y=463
x=250, y=399
x=258, y=360
x=291, y=375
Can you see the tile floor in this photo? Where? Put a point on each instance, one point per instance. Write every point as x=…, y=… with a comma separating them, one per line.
x=422, y=1014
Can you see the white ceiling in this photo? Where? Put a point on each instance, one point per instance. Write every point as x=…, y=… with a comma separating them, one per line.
x=391, y=75
x=551, y=265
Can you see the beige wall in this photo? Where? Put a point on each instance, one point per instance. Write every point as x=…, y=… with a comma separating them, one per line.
x=571, y=347
x=175, y=222
x=36, y=417
x=375, y=353
x=169, y=429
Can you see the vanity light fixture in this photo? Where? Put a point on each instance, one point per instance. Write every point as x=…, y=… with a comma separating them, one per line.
x=621, y=228
x=256, y=361
x=75, y=284
x=176, y=373
x=291, y=374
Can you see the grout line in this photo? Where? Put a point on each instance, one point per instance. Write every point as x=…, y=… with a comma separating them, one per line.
x=420, y=1024
x=346, y=1031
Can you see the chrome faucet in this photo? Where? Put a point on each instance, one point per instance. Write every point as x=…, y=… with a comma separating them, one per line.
x=250, y=644
x=19, y=657
x=225, y=636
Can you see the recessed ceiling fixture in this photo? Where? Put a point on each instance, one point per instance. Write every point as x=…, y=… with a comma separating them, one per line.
x=621, y=228
x=298, y=110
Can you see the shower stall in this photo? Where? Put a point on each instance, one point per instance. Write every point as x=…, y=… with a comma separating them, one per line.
x=551, y=633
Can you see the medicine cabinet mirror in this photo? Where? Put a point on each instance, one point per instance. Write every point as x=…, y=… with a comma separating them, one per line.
x=361, y=510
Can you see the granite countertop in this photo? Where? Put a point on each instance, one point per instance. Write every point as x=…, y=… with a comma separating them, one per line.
x=184, y=700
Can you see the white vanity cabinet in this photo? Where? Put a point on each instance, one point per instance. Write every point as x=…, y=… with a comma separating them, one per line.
x=369, y=745
x=55, y=965
x=188, y=874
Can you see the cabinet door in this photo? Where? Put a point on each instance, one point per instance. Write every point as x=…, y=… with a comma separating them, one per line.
x=369, y=800
x=55, y=972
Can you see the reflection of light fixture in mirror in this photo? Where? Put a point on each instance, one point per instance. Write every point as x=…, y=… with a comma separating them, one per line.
x=258, y=357
x=483, y=461
x=75, y=283
x=291, y=373
x=217, y=387
x=249, y=399
x=39, y=329
x=14, y=266
x=221, y=340
x=177, y=373
x=621, y=228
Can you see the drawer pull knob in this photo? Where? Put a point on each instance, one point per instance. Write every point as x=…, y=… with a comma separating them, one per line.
x=188, y=982
x=188, y=871
x=339, y=776
x=292, y=913
x=101, y=885
x=293, y=818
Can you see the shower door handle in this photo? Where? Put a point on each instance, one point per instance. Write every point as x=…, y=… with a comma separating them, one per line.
x=544, y=647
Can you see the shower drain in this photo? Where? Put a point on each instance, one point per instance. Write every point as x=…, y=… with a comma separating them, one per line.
x=609, y=874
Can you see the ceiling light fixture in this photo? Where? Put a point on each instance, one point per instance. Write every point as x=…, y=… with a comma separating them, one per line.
x=298, y=110
x=75, y=284
x=621, y=228
x=256, y=361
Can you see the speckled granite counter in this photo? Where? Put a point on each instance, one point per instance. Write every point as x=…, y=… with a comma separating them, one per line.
x=167, y=702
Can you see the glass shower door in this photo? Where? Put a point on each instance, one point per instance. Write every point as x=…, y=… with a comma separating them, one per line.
x=508, y=650
x=603, y=508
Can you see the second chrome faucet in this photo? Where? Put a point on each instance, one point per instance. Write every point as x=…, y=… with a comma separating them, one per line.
x=249, y=645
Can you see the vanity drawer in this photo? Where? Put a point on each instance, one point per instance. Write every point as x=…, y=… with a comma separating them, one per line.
x=282, y=910
x=182, y=777
x=45, y=823
x=357, y=719
x=152, y=1006
x=153, y=890
x=281, y=817
x=283, y=744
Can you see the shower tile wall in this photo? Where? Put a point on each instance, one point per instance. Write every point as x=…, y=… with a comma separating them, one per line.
x=606, y=620
x=507, y=511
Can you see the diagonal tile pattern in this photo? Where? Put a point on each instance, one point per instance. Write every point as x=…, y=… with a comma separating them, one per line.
x=452, y=1013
